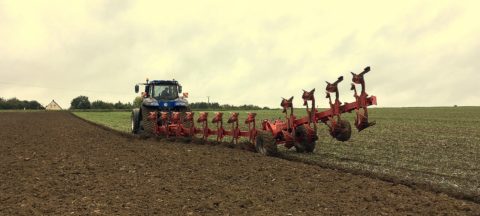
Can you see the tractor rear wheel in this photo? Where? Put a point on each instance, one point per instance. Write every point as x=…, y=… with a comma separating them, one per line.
x=302, y=142
x=265, y=144
x=146, y=123
x=344, y=131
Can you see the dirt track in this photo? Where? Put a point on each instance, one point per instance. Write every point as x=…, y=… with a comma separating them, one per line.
x=54, y=163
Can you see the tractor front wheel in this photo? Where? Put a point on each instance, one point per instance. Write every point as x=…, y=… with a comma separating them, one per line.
x=265, y=144
x=135, y=121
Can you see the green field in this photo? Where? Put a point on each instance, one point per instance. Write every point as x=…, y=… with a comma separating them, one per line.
x=435, y=147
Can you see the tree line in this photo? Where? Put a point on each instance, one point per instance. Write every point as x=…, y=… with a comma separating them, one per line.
x=14, y=103
x=217, y=106
x=82, y=102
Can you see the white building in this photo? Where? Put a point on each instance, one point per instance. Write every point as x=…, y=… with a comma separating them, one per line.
x=53, y=106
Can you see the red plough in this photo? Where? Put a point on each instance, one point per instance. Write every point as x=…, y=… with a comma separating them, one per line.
x=300, y=133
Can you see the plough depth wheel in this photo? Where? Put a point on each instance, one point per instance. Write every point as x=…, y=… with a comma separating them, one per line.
x=303, y=142
x=343, y=131
x=265, y=144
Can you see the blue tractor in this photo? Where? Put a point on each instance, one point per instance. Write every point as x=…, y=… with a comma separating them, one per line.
x=159, y=95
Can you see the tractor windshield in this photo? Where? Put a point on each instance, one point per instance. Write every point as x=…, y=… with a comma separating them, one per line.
x=165, y=92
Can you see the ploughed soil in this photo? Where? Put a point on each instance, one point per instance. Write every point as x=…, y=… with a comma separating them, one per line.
x=56, y=164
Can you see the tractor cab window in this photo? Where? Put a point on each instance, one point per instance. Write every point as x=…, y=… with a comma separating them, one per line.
x=165, y=92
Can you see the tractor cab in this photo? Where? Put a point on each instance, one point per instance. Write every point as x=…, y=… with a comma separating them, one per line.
x=161, y=89
x=165, y=92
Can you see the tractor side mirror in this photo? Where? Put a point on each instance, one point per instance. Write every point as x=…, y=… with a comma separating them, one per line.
x=179, y=89
x=136, y=88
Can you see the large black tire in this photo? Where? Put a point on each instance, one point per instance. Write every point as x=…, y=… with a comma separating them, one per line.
x=135, y=121
x=265, y=144
x=302, y=143
x=146, y=123
x=344, y=131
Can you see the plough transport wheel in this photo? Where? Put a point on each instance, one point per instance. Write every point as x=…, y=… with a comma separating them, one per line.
x=303, y=144
x=265, y=144
x=344, y=131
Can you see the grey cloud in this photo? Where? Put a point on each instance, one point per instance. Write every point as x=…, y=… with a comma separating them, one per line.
x=110, y=9
x=344, y=48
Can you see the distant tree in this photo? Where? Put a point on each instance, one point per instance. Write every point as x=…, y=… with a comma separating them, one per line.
x=137, y=102
x=34, y=105
x=98, y=104
x=214, y=106
x=80, y=102
x=199, y=105
x=7, y=104
x=227, y=107
x=120, y=105
x=14, y=103
x=128, y=105
x=3, y=103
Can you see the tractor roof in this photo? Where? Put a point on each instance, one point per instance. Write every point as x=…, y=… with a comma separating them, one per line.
x=164, y=82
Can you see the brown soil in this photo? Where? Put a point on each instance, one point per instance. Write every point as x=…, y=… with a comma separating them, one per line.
x=53, y=163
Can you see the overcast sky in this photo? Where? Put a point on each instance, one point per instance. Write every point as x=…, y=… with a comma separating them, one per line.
x=422, y=53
